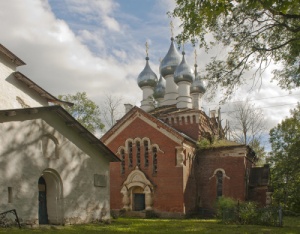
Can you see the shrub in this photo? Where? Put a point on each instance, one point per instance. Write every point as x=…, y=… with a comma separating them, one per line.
x=225, y=208
x=248, y=213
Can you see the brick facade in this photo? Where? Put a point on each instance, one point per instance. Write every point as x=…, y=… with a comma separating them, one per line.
x=186, y=179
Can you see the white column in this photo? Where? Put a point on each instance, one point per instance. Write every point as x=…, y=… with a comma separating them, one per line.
x=171, y=91
x=147, y=104
x=148, y=198
x=197, y=101
x=126, y=199
x=184, y=99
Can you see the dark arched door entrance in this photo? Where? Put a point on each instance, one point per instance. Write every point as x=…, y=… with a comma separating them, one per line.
x=43, y=214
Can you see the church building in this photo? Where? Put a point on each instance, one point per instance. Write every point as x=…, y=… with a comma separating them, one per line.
x=52, y=169
x=162, y=169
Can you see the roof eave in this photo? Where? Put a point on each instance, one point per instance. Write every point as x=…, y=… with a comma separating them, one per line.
x=70, y=121
x=11, y=56
x=43, y=93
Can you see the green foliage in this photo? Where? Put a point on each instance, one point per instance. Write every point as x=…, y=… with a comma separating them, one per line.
x=204, y=143
x=285, y=160
x=254, y=33
x=85, y=111
x=231, y=211
x=224, y=206
x=248, y=213
x=259, y=151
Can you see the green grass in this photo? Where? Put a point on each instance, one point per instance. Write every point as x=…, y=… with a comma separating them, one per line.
x=134, y=225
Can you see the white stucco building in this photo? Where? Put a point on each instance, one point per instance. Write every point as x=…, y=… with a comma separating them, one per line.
x=52, y=170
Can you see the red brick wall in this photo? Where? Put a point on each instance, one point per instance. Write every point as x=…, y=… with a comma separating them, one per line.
x=168, y=182
x=258, y=195
x=234, y=167
x=188, y=125
x=179, y=189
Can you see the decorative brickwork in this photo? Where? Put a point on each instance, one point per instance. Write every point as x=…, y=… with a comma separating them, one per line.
x=164, y=150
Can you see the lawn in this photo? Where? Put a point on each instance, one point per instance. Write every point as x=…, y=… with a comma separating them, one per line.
x=134, y=225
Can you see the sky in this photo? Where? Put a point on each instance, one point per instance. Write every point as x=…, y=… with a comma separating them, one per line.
x=98, y=47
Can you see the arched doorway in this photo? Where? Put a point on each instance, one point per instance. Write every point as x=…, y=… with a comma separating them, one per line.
x=43, y=214
x=50, y=198
x=138, y=199
x=137, y=192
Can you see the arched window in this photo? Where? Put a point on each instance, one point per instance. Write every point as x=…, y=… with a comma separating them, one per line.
x=154, y=155
x=130, y=162
x=122, y=161
x=219, y=176
x=146, y=153
x=138, y=153
x=188, y=119
x=194, y=119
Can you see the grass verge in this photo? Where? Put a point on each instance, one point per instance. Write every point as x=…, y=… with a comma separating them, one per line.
x=134, y=225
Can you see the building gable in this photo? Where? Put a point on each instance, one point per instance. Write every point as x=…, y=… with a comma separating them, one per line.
x=137, y=118
x=63, y=122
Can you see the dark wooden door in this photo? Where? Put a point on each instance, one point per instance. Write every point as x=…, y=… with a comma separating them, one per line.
x=43, y=215
x=139, y=201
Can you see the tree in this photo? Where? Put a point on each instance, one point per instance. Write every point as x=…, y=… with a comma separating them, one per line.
x=247, y=123
x=111, y=109
x=84, y=110
x=255, y=32
x=285, y=158
x=260, y=152
x=248, y=126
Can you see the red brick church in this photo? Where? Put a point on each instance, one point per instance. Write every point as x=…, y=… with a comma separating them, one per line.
x=162, y=169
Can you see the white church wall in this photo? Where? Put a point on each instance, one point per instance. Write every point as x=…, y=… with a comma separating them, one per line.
x=14, y=94
x=32, y=148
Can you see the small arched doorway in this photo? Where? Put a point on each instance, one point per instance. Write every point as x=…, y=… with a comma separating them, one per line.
x=43, y=214
x=50, y=198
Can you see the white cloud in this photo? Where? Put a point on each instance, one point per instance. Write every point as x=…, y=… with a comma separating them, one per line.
x=104, y=53
x=95, y=10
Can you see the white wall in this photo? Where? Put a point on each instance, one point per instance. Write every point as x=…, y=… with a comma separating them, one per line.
x=11, y=88
x=25, y=154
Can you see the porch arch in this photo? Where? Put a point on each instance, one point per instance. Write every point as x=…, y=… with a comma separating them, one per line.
x=137, y=181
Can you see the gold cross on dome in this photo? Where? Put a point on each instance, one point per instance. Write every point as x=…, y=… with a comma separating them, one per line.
x=147, y=48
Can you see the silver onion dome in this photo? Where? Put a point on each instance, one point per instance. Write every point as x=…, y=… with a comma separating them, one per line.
x=159, y=90
x=198, y=85
x=183, y=72
x=170, y=61
x=147, y=77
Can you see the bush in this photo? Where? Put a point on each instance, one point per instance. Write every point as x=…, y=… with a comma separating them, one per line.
x=225, y=208
x=247, y=212
x=231, y=211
